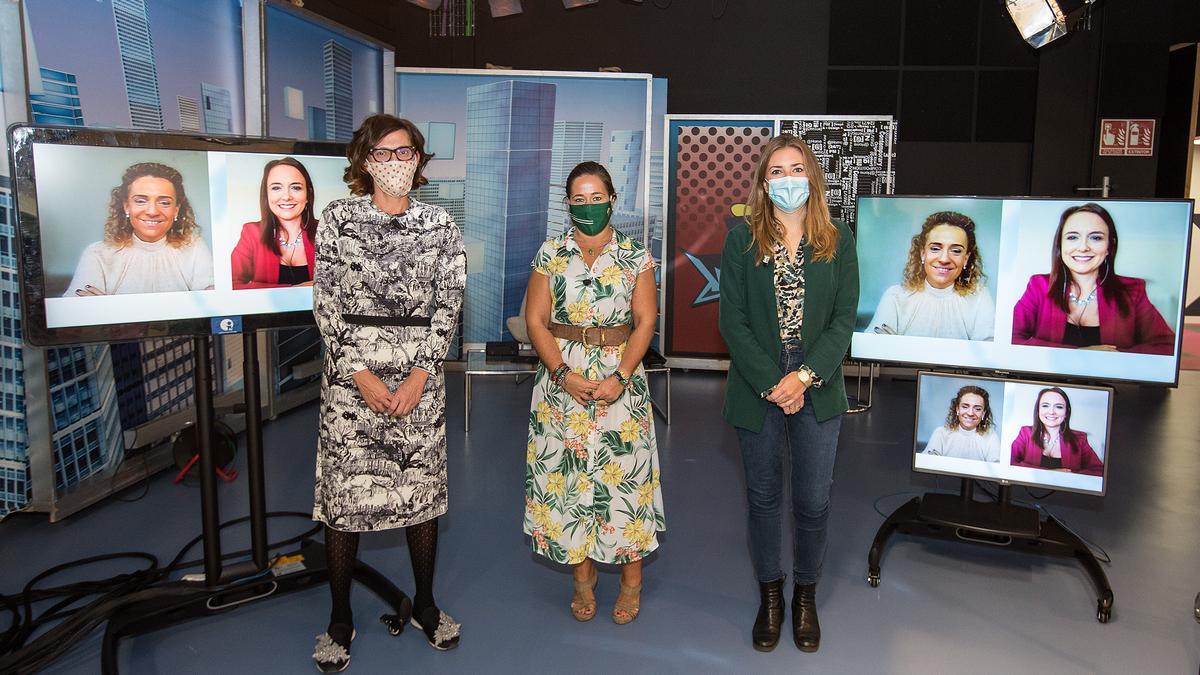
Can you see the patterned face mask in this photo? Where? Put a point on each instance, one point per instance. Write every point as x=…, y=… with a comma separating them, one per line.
x=394, y=177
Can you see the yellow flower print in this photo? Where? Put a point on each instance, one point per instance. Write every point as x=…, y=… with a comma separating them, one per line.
x=578, y=422
x=630, y=431
x=612, y=474
x=543, y=412
x=554, y=530
x=621, y=350
x=626, y=244
x=645, y=493
x=576, y=555
x=633, y=530
x=583, y=484
x=556, y=483
x=579, y=312
x=557, y=265
x=530, y=451
x=541, y=513
x=654, y=478
x=610, y=275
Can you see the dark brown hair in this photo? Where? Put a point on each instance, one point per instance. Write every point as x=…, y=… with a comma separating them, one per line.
x=269, y=223
x=1039, y=429
x=952, y=416
x=117, y=228
x=366, y=137
x=591, y=169
x=765, y=228
x=972, y=272
x=1059, y=288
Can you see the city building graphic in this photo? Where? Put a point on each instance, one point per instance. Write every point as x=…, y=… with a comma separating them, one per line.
x=339, y=91
x=574, y=142
x=510, y=132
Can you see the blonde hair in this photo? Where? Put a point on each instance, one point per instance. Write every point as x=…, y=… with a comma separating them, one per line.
x=765, y=229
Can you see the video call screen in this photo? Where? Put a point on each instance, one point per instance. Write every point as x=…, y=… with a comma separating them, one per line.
x=127, y=234
x=1027, y=433
x=1044, y=286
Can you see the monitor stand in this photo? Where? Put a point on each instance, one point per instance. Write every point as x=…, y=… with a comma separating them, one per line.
x=1002, y=523
x=223, y=589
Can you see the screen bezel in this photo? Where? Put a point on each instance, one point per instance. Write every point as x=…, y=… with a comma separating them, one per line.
x=1073, y=377
x=922, y=374
x=21, y=139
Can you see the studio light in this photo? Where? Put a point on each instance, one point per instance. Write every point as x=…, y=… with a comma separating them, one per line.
x=572, y=4
x=1042, y=21
x=504, y=7
x=427, y=4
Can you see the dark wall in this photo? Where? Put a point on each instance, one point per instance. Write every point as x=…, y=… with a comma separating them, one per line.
x=980, y=111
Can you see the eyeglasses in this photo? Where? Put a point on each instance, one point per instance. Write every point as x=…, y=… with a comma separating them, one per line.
x=402, y=153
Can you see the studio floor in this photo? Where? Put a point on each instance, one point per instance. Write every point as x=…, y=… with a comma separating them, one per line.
x=943, y=607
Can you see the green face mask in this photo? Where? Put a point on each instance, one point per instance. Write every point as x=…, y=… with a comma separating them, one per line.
x=591, y=219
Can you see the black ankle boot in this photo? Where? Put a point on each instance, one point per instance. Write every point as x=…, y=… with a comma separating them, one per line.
x=770, y=616
x=806, y=630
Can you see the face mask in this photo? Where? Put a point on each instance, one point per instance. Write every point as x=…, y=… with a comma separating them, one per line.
x=393, y=177
x=788, y=193
x=590, y=218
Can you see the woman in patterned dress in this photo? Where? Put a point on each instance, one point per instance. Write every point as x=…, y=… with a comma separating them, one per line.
x=591, y=476
x=388, y=287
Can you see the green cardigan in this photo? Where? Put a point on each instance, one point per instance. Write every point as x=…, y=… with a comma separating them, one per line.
x=749, y=322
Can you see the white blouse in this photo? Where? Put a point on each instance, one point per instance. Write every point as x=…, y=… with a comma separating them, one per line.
x=964, y=444
x=935, y=312
x=143, y=267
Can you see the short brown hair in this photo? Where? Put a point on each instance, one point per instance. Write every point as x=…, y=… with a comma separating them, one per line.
x=366, y=136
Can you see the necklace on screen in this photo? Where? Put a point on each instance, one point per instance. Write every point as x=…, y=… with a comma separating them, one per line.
x=284, y=243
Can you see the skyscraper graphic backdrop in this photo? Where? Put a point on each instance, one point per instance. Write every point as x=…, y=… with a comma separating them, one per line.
x=137, y=63
x=217, y=105
x=14, y=455
x=574, y=142
x=59, y=102
x=339, y=91
x=625, y=166
x=510, y=132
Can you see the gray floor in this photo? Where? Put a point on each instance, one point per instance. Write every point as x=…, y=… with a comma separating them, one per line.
x=942, y=607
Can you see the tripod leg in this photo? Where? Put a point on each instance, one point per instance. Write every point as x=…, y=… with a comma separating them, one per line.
x=905, y=513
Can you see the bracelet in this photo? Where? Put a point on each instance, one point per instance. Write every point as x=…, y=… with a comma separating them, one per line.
x=621, y=377
x=559, y=373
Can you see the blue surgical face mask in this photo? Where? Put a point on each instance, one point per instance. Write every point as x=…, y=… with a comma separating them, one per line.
x=788, y=193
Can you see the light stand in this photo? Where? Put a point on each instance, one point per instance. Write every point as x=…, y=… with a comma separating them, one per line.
x=255, y=579
x=1002, y=523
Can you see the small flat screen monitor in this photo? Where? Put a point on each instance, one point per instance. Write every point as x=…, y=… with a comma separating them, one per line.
x=126, y=234
x=1063, y=287
x=1038, y=434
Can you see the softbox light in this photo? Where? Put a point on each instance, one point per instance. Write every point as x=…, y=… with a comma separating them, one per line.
x=427, y=4
x=504, y=7
x=1042, y=21
x=572, y=4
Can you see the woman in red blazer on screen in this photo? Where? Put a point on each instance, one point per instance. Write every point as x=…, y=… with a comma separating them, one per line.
x=1051, y=443
x=278, y=250
x=1083, y=302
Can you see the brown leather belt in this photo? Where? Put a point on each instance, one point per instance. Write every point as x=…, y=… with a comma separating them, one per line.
x=592, y=336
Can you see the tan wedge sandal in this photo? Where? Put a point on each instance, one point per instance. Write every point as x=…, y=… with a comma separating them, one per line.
x=581, y=608
x=629, y=603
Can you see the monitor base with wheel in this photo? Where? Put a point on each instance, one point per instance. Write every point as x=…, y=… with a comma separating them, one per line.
x=961, y=518
x=181, y=601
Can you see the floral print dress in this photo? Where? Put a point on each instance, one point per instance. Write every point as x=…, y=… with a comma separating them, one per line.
x=591, y=472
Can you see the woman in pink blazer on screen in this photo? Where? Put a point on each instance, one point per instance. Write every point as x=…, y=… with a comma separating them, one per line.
x=278, y=250
x=1051, y=443
x=1083, y=302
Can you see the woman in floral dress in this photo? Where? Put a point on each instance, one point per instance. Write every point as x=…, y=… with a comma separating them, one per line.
x=591, y=476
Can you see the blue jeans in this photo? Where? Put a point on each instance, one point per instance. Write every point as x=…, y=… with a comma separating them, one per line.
x=813, y=448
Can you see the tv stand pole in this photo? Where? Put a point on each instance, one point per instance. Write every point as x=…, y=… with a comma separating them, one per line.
x=225, y=588
x=961, y=518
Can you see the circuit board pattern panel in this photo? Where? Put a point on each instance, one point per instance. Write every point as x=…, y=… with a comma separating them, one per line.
x=859, y=157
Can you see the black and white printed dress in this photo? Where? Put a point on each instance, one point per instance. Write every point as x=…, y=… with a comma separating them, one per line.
x=387, y=290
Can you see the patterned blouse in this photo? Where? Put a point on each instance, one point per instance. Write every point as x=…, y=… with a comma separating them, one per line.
x=789, y=297
x=789, y=290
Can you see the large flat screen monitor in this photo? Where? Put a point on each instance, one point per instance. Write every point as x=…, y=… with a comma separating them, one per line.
x=1089, y=290
x=1038, y=434
x=125, y=235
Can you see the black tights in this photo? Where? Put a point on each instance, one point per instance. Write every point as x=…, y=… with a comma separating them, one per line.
x=341, y=553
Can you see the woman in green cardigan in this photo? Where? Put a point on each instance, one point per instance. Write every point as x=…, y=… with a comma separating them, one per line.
x=789, y=292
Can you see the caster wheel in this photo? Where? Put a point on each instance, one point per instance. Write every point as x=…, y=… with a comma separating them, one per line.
x=394, y=624
x=873, y=580
x=1103, y=614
